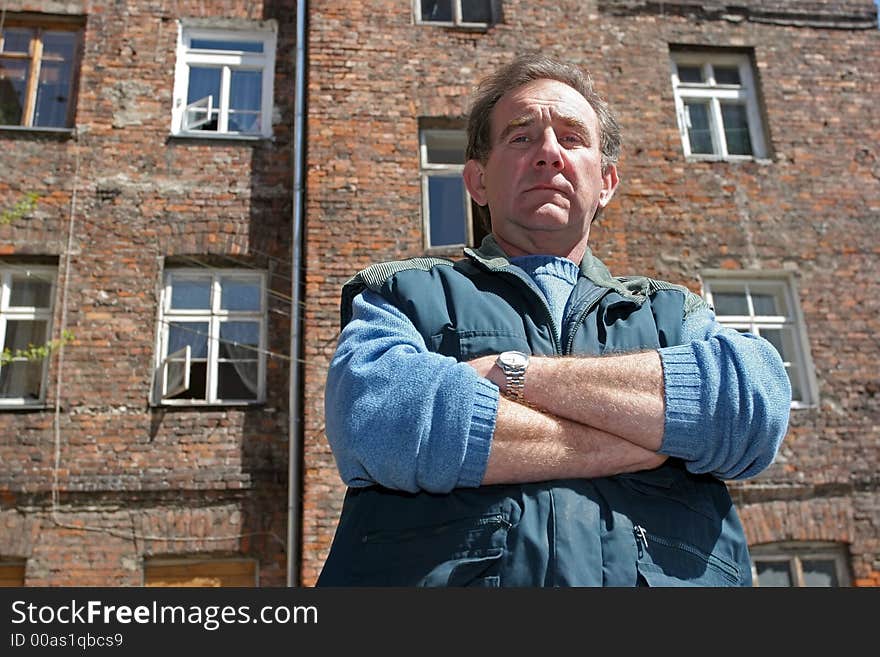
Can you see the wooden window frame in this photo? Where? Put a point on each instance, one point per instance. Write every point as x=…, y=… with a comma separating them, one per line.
x=184, y=562
x=35, y=58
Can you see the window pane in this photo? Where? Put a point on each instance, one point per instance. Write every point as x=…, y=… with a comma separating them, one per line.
x=194, y=334
x=727, y=75
x=730, y=303
x=699, y=130
x=30, y=291
x=198, y=382
x=445, y=147
x=783, y=339
x=690, y=74
x=245, y=101
x=797, y=393
x=21, y=379
x=204, y=82
x=238, y=374
x=13, y=82
x=247, y=122
x=239, y=340
x=190, y=294
x=765, y=304
x=446, y=210
x=246, y=90
x=736, y=129
x=476, y=11
x=59, y=45
x=53, y=94
x=437, y=10
x=219, y=44
x=773, y=573
x=237, y=380
x=819, y=572
x=23, y=333
x=238, y=294
x=17, y=39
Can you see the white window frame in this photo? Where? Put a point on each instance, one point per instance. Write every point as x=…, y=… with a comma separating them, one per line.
x=227, y=61
x=429, y=170
x=782, y=285
x=214, y=317
x=26, y=313
x=457, y=20
x=709, y=91
x=794, y=552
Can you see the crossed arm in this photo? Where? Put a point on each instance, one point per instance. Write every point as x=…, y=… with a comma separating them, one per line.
x=584, y=417
x=410, y=419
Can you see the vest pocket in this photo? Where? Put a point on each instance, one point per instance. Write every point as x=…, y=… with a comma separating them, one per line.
x=465, y=345
x=664, y=561
x=460, y=552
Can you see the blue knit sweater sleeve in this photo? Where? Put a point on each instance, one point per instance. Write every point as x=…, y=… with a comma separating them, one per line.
x=727, y=399
x=399, y=415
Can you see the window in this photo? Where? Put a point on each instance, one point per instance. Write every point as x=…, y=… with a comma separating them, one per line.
x=446, y=205
x=716, y=102
x=212, y=337
x=200, y=573
x=26, y=300
x=767, y=306
x=223, y=82
x=12, y=572
x=464, y=13
x=38, y=73
x=799, y=564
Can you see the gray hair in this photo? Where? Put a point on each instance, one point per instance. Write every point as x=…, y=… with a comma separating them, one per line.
x=521, y=71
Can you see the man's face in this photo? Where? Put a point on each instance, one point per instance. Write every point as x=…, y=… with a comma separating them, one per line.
x=543, y=180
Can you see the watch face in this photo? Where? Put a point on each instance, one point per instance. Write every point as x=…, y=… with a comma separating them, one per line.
x=514, y=359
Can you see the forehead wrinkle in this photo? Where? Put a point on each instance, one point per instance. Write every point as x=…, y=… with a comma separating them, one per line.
x=569, y=118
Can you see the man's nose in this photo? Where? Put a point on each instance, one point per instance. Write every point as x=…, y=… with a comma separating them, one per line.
x=549, y=151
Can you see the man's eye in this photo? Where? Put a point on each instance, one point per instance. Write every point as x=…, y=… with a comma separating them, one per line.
x=572, y=139
x=519, y=139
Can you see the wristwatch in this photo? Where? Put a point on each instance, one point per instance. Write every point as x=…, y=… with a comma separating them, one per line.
x=513, y=364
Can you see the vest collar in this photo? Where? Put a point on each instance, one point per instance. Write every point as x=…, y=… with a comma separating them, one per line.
x=491, y=256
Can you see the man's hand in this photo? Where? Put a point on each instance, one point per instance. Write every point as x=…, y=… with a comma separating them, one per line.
x=486, y=368
x=551, y=437
x=621, y=395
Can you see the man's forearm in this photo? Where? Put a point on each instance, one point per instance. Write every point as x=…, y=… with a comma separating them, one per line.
x=621, y=395
x=530, y=445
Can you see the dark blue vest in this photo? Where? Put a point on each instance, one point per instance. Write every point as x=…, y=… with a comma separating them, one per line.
x=662, y=527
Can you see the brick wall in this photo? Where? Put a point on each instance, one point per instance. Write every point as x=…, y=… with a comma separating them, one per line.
x=810, y=208
x=136, y=481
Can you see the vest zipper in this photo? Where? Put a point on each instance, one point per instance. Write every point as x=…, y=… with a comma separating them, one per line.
x=641, y=539
x=591, y=303
x=727, y=569
x=535, y=291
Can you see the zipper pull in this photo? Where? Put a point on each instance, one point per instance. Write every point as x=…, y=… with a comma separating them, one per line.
x=641, y=539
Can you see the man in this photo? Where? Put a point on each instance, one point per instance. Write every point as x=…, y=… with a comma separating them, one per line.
x=522, y=418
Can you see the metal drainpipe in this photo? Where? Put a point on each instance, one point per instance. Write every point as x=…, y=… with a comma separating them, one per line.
x=294, y=441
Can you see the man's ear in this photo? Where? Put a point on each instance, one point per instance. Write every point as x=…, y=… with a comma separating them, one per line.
x=609, y=184
x=473, y=180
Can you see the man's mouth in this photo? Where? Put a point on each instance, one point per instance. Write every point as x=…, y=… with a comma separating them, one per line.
x=548, y=188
